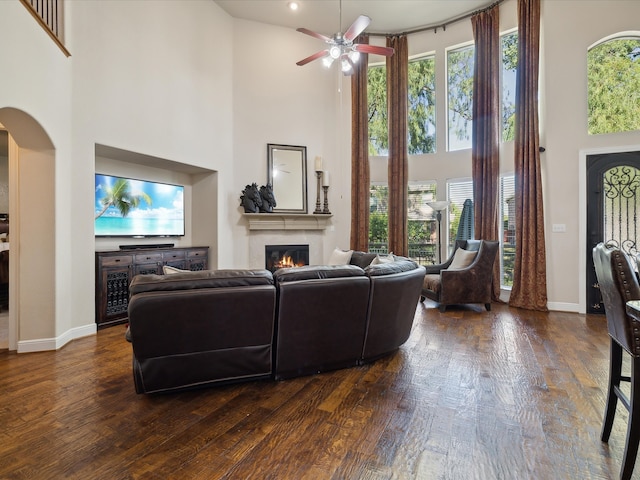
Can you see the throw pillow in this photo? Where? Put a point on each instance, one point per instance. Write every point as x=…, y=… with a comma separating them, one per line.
x=340, y=257
x=362, y=259
x=383, y=259
x=168, y=270
x=462, y=259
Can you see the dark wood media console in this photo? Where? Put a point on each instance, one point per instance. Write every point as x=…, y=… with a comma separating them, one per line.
x=116, y=268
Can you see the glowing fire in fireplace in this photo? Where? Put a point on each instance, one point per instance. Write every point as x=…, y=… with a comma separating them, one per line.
x=285, y=256
x=286, y=262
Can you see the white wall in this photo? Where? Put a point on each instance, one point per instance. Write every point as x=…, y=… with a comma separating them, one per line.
x=151, y=80
x=36, y=79
x=276, y=101
x=154, y=81
x=565, y=129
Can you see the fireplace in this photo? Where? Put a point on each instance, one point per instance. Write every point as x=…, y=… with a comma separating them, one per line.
x=280, y=256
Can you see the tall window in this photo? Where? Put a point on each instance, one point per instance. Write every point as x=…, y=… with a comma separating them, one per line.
x=377, y=109
x=460, y=91
x=421, y=220
x=460, y=97
x=421, y=105
x=509, y=44
x=378, y=218
x=508, y=229
x=613, y=76
x=422, y=225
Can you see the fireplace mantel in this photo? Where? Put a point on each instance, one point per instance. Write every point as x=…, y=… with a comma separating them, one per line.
x=287, y=221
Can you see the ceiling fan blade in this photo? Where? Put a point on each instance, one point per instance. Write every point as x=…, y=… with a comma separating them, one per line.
x=364, y=48
x=319, y=36
x=311, y=58
x=357, y=28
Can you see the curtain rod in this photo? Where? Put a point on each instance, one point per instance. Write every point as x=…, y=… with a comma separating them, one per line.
x=443, y=25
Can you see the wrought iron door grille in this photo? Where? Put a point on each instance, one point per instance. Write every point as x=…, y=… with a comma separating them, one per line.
x=621, y=205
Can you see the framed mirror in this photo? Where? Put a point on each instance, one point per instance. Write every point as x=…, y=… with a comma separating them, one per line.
x=287, y=173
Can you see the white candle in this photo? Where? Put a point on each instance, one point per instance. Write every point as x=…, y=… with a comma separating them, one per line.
x=325, y=178
x=318, y=164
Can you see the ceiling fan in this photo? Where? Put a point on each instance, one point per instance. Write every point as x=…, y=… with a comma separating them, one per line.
x=341, y=47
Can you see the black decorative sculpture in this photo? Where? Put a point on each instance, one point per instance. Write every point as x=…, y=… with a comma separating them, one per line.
x=251, y=199
x=268, y=198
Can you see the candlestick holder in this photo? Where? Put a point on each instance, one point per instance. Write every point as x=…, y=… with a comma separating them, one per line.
x=318, y=176
x=326, y=200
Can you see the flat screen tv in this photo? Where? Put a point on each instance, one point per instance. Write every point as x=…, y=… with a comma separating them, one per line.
x=125, y=207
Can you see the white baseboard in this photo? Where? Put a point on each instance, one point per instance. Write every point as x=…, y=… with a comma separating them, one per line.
x=44, y=344
x=505, y=293
x=563, y=307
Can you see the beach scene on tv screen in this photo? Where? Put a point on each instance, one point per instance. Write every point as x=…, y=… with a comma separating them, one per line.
x=128, y=207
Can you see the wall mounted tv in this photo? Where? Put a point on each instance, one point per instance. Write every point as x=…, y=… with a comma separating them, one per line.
x=125, y=207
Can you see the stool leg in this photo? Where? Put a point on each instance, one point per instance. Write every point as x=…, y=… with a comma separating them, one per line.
x=615, y=371
x=633, y=428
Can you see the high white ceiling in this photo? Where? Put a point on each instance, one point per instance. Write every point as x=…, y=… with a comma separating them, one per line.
x=323, y=16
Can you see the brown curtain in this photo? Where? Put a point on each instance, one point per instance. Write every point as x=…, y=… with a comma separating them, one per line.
x=485, y=145
x=360, y=154
x=530, y=270
x=398, y=166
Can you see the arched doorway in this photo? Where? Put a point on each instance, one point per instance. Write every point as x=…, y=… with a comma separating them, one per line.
x=32, y=216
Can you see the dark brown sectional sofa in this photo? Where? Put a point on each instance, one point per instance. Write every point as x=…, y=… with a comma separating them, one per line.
x=197, y=329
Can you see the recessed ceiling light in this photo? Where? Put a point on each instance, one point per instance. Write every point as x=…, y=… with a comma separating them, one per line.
x=293, y=5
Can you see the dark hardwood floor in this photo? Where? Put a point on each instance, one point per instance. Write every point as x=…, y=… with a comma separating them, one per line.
x=506, y=394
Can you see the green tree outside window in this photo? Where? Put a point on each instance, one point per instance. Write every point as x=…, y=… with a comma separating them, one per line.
x=613, y=76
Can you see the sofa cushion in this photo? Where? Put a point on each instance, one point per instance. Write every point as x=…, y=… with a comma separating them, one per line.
x=462, y=259
x=397, y=266
x=312, y=272
x=362, y=259
x=340, y=257
x=200, y=279
x=432, y=282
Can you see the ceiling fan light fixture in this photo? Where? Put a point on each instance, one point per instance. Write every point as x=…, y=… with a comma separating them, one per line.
x=342, y=46
x=327, y=61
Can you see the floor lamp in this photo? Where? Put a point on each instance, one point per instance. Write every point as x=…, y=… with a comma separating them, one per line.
x=439, y=206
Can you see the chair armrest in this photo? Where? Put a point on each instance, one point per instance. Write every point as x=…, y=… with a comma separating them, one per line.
x=434, y=268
